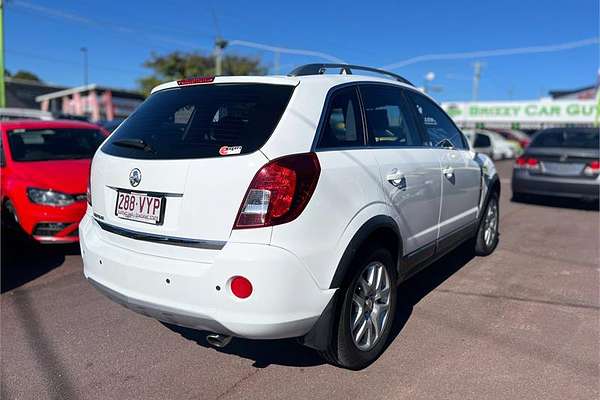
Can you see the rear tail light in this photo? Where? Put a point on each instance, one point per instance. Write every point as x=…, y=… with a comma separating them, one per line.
x=592, y=168
x=279, y=191
x=525, y=162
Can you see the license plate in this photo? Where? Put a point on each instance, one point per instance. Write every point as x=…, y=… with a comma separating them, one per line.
x=140, y=207
x=563, y=168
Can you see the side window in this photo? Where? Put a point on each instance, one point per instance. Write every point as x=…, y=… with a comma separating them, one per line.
x=342, y=126
x=388, y=122
x=440, y=129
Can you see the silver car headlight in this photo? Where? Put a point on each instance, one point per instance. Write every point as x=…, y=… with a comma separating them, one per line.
x=49, y=197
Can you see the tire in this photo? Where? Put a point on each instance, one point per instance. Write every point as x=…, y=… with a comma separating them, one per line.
x=487, y=232
x=378, y=300
x=9, y=216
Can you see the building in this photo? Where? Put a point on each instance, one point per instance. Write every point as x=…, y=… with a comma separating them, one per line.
x=576, y=107
x=584, y=93
x=21, y=93
x=92, y=101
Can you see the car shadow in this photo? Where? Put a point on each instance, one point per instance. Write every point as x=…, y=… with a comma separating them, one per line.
x=23, y=260
x=289, y=352
x=557, y=202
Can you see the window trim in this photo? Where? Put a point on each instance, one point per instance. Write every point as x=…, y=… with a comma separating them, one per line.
x=410, y=114
x=421, y=126
x=324, y=113
x=366, y=146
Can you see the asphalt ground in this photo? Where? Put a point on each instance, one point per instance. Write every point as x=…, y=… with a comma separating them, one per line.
x=523, y=323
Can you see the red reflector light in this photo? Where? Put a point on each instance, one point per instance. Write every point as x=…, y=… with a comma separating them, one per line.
x=279, y=191
x=241, y=287
x=594, y=165
x=532, y=162
x=194, y=81
x=521, y=161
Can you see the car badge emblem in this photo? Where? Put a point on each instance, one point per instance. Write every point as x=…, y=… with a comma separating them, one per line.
x=563, y=158
x=135, y=177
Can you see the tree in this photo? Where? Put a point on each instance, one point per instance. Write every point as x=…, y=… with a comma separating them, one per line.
x=178, y=65
x=26, y=76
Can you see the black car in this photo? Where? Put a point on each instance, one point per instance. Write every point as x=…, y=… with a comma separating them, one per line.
x=561, y=162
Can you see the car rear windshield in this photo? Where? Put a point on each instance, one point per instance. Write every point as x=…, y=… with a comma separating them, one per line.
x=583, y=138
x=201, y=121
x=53, y=143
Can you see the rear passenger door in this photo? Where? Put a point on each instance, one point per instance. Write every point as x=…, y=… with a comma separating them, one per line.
x=461, y=175
x=409, y=170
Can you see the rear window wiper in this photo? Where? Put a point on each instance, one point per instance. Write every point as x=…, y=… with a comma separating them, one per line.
x=133, y=143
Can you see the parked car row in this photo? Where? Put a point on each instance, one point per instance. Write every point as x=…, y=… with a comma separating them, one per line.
x=493, y=144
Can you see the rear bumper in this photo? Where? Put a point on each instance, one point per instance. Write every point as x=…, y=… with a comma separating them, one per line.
x=285, y=302
x=525, y=183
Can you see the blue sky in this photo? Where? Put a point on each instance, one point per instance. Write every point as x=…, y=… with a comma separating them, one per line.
x=45, y=37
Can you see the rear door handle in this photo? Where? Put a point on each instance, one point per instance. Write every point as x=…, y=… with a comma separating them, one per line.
x=397, y=179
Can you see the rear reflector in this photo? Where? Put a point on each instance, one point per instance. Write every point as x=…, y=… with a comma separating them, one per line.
x=241, y=287
x=197, y=80
x=279, y=191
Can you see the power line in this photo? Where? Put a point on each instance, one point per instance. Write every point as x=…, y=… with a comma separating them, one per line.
x=68, y=62
x=286, y=50
x=52, y=13
x=89, y=22
x=494, y=53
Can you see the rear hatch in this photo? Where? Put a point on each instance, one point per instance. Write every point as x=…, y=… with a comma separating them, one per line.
x=179, y=167
x=565, y=152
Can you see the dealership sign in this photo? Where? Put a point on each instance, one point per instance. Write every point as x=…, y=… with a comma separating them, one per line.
x=542, y=111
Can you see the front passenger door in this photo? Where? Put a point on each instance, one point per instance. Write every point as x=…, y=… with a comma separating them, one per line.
x=461, y=175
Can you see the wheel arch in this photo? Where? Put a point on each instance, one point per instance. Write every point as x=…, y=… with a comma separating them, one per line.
x=382, y=228
x=379, y=227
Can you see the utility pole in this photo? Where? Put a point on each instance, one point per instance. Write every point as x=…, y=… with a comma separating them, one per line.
x=220, y=44
x=84, y=51
x=476, y=78
x=2, y=86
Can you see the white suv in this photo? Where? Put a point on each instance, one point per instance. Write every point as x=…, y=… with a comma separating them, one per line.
x=283, y=206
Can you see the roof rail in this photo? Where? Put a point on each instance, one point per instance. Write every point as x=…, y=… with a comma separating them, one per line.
x=319, y=69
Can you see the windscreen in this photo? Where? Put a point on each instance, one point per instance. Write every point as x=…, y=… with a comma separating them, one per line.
x=582, y=138
x=201, y=121
x=53, y=144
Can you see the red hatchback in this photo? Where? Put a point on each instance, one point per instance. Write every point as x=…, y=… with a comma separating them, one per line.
x=44, y=176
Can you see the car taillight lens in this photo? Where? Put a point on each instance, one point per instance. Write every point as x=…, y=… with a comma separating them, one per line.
x=592, y=168
x=279, y=191
x=525, y=162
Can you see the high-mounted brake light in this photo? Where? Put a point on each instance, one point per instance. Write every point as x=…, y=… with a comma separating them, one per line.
x=197, y=80
x=279, y=191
